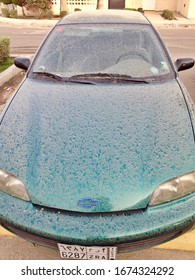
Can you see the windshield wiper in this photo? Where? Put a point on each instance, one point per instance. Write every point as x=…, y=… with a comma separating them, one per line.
x=79, y=80
x=127, y=78
x=72, y=79
x=113, y=78
x=93, y=78
x=49, y=75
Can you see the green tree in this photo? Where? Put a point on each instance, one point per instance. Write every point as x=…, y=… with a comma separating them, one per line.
x=6, y=2
x=20, y=3
x=5, y=9
x=39, y=7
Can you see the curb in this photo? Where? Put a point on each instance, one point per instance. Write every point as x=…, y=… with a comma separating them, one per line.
x=31, y=22
x=8, y=74
x=173, y=25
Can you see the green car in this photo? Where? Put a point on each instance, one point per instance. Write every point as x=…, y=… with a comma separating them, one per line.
x=97, y=146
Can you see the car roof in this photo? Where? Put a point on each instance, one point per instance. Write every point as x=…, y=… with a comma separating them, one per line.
x=105, y=16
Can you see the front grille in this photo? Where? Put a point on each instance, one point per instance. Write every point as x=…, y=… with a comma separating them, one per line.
x=125, y=247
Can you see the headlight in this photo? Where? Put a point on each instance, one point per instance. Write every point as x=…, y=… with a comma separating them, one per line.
x=174, y=189
x=12, y=185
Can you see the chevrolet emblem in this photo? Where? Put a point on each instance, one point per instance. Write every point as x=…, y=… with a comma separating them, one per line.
x=88, y=202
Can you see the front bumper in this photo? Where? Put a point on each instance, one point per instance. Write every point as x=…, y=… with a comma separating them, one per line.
x=141, y=229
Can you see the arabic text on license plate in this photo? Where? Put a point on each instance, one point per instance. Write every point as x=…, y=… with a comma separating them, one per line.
x=86, y=253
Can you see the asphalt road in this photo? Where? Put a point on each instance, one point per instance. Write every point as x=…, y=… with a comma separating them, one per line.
x=25, y=40
x=181, y=43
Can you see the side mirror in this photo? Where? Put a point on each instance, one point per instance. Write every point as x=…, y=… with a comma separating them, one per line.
x=184, y=63
x=22, y=62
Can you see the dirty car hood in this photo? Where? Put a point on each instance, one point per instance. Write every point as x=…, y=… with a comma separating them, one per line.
x=96, y=148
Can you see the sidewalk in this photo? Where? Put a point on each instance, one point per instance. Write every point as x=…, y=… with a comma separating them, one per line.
x=28, y=22
x=179, y=21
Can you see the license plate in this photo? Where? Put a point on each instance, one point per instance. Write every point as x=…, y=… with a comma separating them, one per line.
x=86, y=253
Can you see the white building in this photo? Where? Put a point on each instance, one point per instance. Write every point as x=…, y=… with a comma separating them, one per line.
x=81, y=4
x=185, y=7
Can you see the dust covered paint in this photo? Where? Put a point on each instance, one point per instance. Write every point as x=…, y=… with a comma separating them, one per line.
x=117, y=151
x=108, y=229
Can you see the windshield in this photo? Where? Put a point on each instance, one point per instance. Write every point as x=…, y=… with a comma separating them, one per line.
x=114, y=50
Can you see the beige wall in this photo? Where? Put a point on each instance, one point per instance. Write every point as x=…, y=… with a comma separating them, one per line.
x=105, y=4
x=184, y=8
x=187, y=8
x=160, y=4
x=135, y=4
x=166, y=4
x=191, y=13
